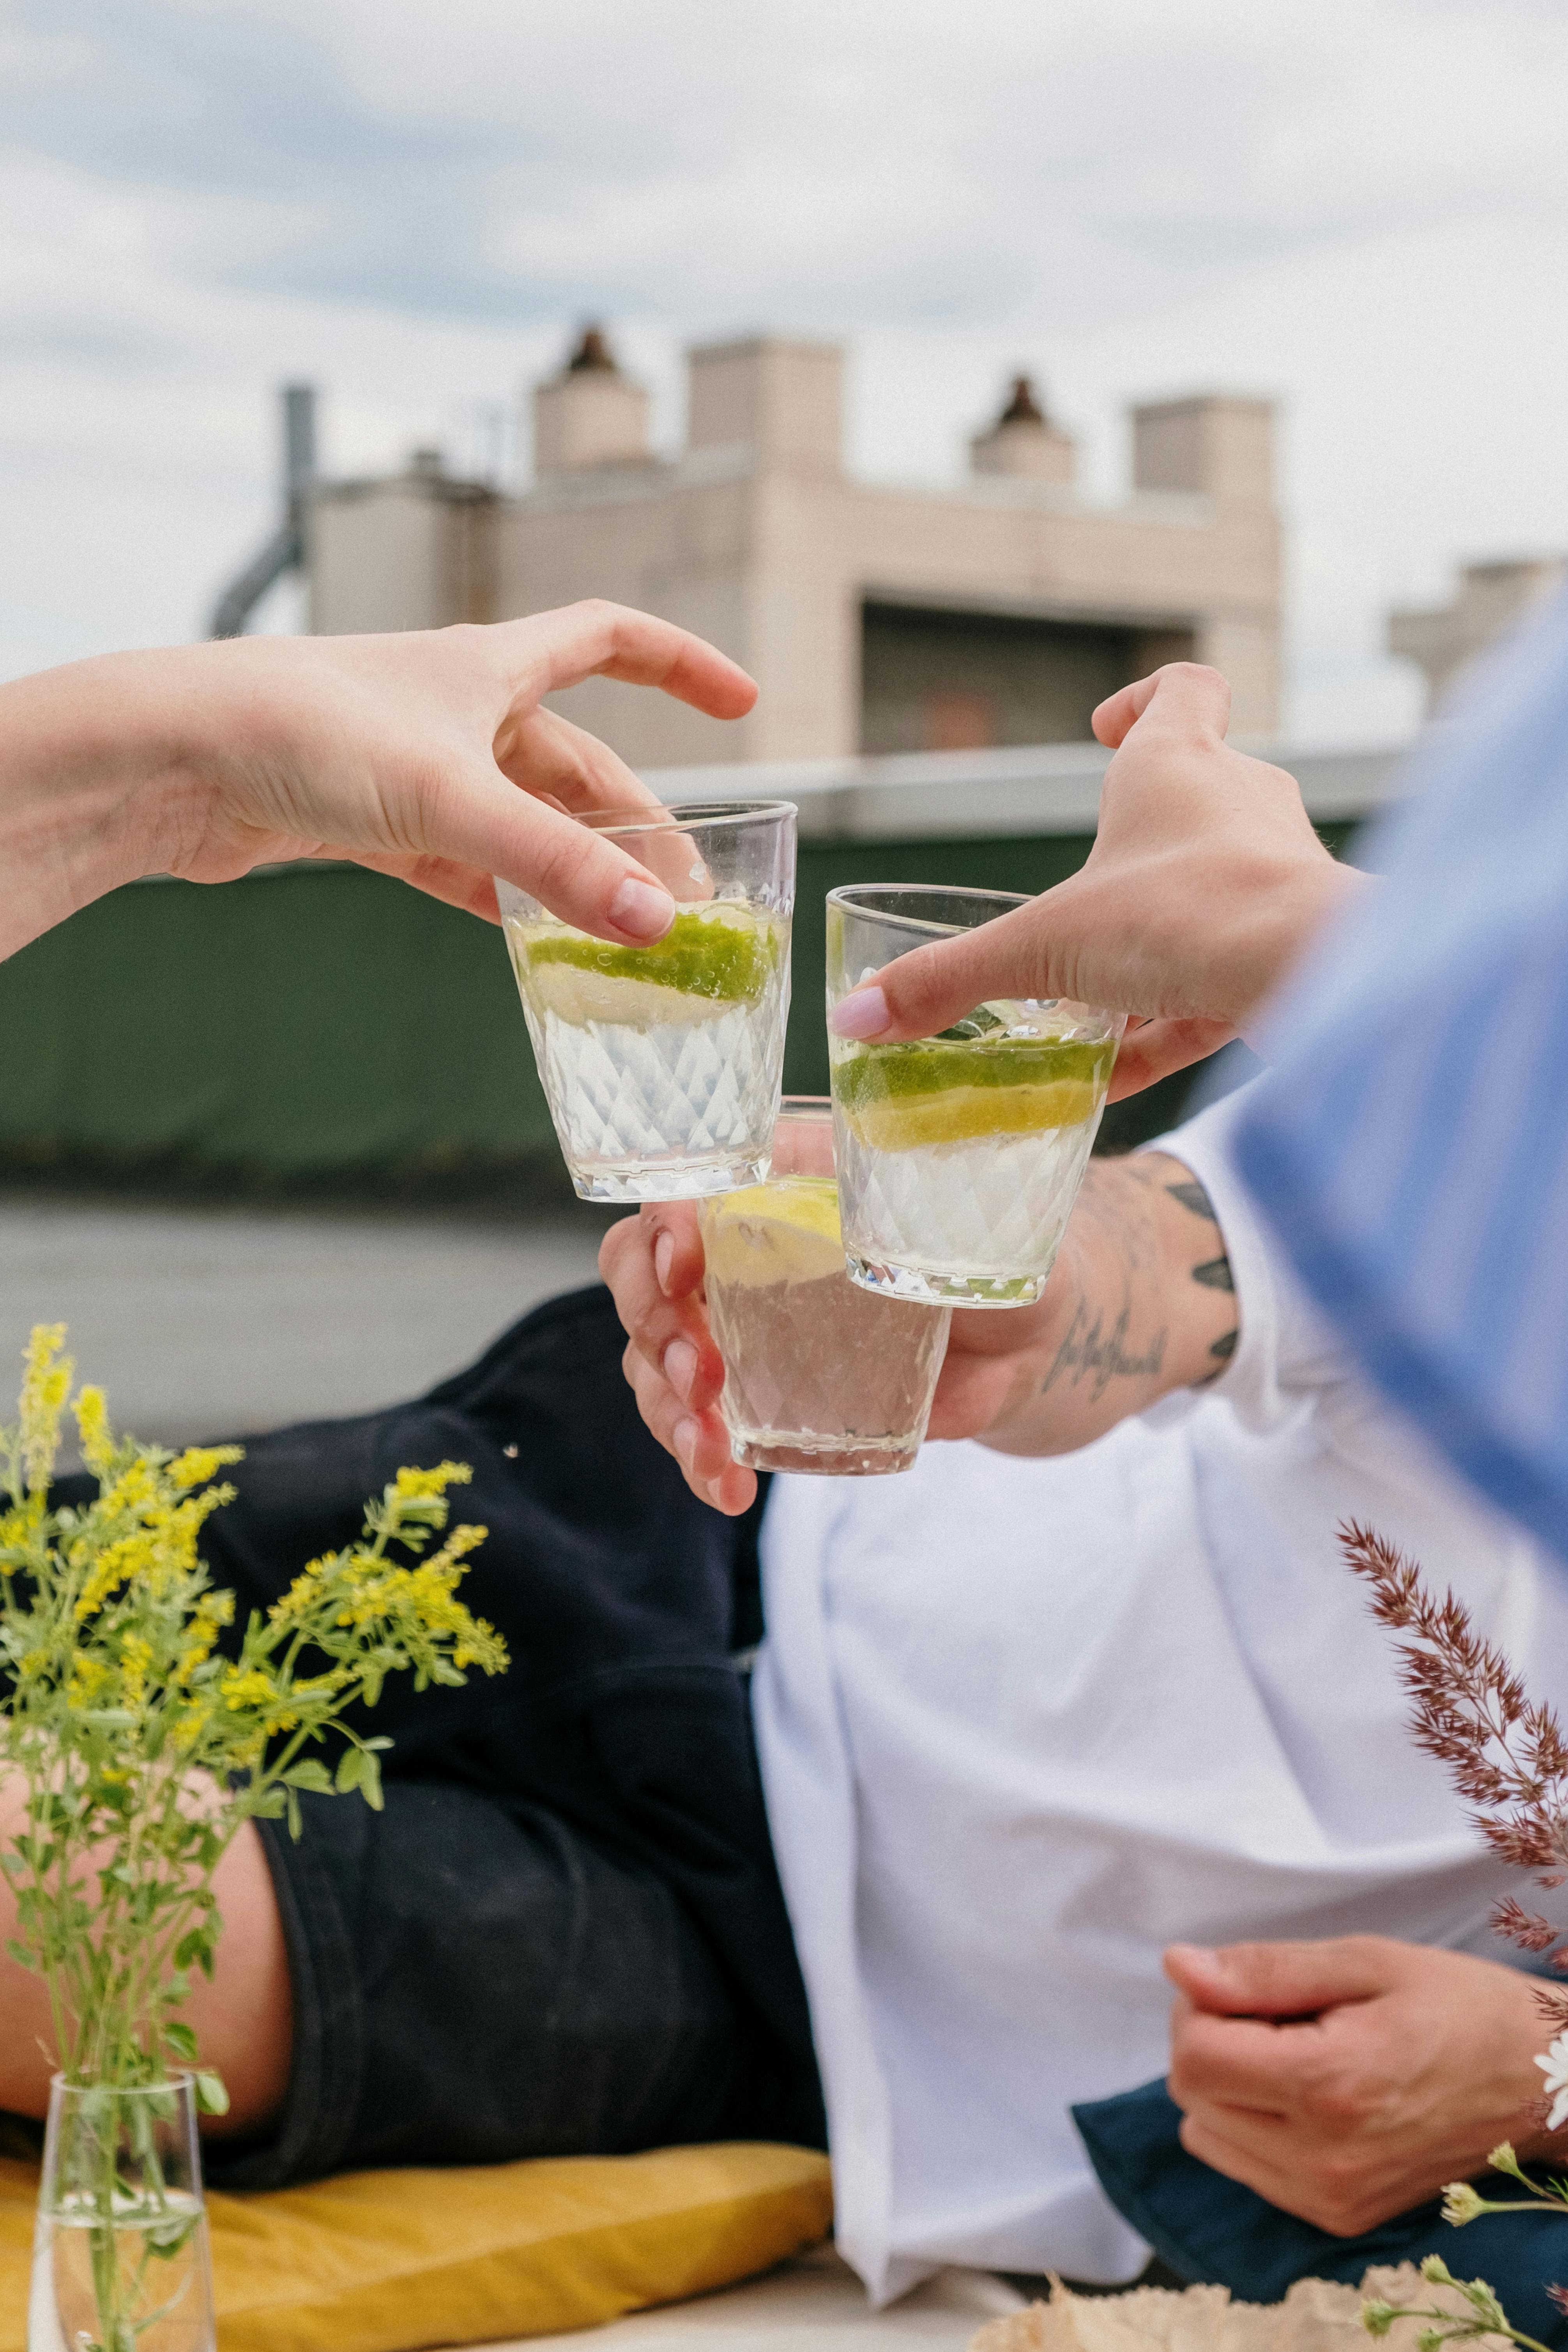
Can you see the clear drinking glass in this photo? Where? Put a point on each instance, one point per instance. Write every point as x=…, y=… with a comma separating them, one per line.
x=120, y=2260
x=819, y=1374
x=662, y=1065
x=959, y=1155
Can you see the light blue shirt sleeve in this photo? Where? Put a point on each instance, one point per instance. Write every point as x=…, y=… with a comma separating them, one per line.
x=1409, y=1144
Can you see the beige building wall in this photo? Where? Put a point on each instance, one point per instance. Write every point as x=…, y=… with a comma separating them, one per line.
x=1491, y=598
x=1027, y=598
x=414, y=553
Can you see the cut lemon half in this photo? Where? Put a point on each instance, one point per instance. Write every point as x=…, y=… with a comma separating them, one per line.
x=963, y=1114
x=787, y=1231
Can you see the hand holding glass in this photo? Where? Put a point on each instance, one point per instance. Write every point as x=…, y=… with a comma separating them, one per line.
x=819, y=1374
x=662, y=1065
x=959, y=1155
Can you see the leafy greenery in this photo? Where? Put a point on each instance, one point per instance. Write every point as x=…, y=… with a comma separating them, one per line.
x=142, y=1748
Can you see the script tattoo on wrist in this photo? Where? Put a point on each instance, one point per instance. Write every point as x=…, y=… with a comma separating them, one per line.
x=1091, y=1352
x=1212, y=1273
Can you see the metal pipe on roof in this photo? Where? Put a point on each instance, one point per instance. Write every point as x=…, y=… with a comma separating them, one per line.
x=285, y=551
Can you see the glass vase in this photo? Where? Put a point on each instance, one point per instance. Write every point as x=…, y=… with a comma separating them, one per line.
x=120, y=2260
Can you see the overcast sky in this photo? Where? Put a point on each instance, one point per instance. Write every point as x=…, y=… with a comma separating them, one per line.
x=1358, y=205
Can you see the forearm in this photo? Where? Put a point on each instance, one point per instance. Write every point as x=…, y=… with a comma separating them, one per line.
x=1141, y=1302
x=94, y=761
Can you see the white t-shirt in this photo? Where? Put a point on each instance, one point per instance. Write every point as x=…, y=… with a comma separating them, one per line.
x=1023, y=1723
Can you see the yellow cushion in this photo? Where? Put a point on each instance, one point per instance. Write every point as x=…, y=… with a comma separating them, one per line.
x=388, y=2262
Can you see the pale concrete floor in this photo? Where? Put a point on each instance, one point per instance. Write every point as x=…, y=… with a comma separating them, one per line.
x=206, y=1322
x=814, y=2303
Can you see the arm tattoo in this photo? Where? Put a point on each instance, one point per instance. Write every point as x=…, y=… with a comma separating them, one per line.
x=1213, y=1273
x=1089, y=1352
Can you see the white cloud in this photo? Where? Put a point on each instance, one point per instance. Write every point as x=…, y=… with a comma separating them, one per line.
x=1360, y=207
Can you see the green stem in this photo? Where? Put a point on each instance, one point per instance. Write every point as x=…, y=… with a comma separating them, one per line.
x=1464, y=2327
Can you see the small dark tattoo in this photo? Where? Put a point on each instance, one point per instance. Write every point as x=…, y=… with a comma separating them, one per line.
x=1193, y=1196
x=1091, y=1350
x=1224, y=1347
x=1214, y=1274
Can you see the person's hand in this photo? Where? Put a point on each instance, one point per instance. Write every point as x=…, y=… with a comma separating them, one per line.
x=1204, y=884
x=1347, y=2081
x=1122, y=1322
x=653, y=1263
x=654, y=1266
x=426, y=755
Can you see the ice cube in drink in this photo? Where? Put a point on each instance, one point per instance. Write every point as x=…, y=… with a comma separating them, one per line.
x=660, y=1064
x=959, y=1156
x=819, y=1375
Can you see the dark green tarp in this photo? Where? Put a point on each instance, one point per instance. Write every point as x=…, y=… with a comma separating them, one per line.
x=323, y=1023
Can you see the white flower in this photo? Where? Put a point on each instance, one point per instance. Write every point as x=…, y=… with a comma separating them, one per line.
x=1553, y=2064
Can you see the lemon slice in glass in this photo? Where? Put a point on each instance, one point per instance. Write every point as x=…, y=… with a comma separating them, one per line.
x=784, y=1231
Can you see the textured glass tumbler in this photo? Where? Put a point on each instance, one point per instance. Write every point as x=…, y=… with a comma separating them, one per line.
x=819, y=1374
x=120, y=2245
x=662, y=1065
x=959, y=1155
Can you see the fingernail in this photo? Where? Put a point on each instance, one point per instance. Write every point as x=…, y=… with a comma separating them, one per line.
x=863, y=1015
x=686, y=1442
x=663, y=1256
x=681, y=1367
x=642, y=909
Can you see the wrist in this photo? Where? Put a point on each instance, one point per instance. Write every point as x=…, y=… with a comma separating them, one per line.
x=1292, y=918
x=100, y=759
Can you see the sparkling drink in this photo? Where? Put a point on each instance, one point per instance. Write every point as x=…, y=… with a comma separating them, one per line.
x=662, y=1065
x=959, y=1156
x=819, y=1374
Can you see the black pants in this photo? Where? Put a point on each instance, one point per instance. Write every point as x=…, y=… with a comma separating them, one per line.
x=565, y=1934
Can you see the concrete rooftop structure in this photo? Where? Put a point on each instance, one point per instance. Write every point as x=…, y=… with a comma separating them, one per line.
x=1491, y=597
x=877, y=619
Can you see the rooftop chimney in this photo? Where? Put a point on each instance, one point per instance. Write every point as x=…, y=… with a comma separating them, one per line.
x=589, y=415
x=1024, y=441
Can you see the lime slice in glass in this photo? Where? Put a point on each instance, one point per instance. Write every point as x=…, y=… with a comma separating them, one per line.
x=711, y=956
x=935, y=1090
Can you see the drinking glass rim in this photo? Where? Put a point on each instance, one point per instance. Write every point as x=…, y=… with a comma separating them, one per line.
x=850, y=897
x=854, y=895
x=183, y=2078
x=686, y=816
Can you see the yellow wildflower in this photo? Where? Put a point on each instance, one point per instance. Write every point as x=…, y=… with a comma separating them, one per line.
x=114, y=1566
x=46, y=1385
x=212, y=1610
x=248, y=1688
x=411, y=1486
x=89, y=1679
x=198, y=1463
x=189, y=1725
x=301, y=1594
x=97, y=1437
x=135, y=1663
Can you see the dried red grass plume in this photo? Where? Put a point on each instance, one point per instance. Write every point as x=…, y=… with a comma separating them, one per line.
x=1504, y=1752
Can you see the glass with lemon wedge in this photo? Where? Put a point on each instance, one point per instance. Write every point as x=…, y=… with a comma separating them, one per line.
x=819, y=1374
x=959, y=1156
x=662, y=1065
